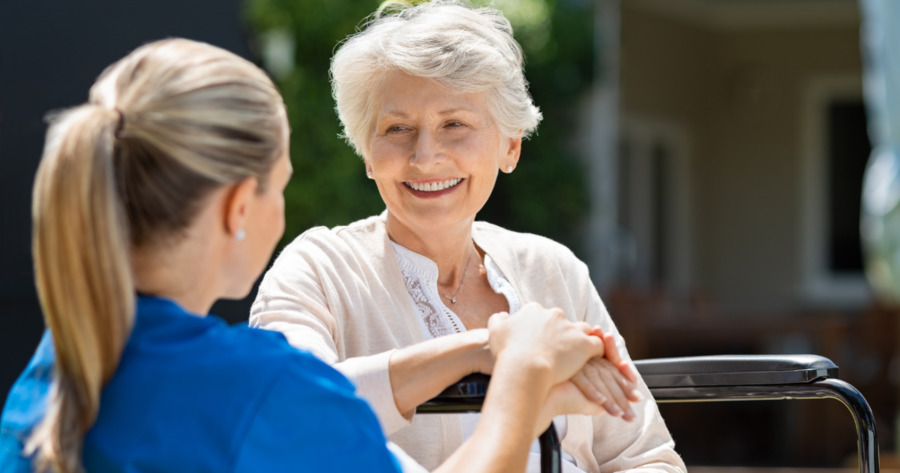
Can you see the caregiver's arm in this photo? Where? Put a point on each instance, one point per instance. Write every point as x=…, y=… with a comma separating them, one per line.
x=536, y=351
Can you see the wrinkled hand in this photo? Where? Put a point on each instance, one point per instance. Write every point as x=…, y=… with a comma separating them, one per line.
x=611, y=353
x=603, y=383
x=609, y=381
x=546, y=338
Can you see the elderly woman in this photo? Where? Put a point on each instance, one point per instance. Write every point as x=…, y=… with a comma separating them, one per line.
x=434, y=99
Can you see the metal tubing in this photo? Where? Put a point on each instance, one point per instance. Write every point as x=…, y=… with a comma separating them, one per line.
x=830, y=388
x=551, y=459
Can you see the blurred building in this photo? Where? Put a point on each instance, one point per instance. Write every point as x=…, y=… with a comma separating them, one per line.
x=741, y=147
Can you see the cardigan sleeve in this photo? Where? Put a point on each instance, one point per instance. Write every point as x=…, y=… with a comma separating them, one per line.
x=643, y=445
x=293, y=299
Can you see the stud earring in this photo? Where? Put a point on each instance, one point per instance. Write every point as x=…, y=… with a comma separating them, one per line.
x=240, y=234
x=369, y=173
x=509, y=169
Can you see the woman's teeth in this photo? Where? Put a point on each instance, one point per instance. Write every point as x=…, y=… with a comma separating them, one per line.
x=433, y=186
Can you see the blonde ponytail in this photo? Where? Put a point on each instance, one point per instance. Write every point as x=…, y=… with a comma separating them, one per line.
x=84, y=281
x=164, y=127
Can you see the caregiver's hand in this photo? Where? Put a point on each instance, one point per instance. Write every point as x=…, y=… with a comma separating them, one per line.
x=539, y=338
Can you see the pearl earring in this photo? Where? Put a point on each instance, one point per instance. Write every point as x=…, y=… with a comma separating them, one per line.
x=509, y=168
x=240, y=234
x=369, y=173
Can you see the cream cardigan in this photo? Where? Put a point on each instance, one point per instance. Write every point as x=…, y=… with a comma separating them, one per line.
x=339, y=293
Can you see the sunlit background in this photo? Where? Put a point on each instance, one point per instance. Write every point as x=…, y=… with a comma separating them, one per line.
x=705, y=157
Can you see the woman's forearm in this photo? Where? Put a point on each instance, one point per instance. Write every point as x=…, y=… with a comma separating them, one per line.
x=421, y=371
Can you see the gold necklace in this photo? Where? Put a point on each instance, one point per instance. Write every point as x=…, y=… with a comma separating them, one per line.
x=462, y=279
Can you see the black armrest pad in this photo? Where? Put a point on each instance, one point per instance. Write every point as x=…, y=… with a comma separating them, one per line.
x=468, y=393
x=735, y=370
x=465, y=395
x=473, y=385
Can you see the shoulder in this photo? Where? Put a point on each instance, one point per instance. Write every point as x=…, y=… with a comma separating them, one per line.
x=248, y=386
x=26, y=400
x=542, y=269
x=266, y=354
x=504, y=244
x=311, y=415
x=25, y=406
x=358, y=236
x=11, y=459
x=231, y=363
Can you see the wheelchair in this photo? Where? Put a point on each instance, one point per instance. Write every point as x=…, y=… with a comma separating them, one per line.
x=705, y=379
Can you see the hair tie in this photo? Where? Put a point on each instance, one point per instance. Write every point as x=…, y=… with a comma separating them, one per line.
x=121, y=123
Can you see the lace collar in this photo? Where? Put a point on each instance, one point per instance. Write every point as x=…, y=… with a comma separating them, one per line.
x=420, y=275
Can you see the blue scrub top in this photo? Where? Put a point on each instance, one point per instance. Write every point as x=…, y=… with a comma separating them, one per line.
x=193, y=394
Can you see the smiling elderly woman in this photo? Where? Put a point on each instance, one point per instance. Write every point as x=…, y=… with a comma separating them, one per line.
x=434, y=99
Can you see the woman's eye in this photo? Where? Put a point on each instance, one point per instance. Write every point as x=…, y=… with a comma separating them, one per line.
x=396, y=129
x=455, y=124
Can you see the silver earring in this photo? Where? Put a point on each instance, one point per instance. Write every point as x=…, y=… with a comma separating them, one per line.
x=240, y=234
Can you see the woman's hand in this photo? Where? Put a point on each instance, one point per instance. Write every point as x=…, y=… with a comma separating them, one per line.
x=603, y=383
x=611, y=353
x=609, y=381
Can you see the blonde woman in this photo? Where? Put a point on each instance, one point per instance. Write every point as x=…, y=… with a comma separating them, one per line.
x=160, y=195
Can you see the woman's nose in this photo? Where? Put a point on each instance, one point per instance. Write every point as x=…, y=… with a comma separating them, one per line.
x=426, y=153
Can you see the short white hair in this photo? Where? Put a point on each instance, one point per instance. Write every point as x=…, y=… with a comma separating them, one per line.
x=467, y=49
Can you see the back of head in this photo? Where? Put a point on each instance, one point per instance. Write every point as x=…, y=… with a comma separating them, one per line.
x=163, y=128
x=467, y=49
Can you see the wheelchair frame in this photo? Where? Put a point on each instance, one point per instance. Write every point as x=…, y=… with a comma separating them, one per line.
x=709, y=379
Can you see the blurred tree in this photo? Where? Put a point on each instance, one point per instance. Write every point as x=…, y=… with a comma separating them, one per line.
x=546, y=195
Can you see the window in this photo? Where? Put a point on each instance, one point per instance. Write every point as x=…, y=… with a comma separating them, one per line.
x=836, y=149
x=654, y=199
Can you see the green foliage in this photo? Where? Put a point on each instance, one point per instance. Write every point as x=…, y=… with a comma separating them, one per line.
x=546, y=195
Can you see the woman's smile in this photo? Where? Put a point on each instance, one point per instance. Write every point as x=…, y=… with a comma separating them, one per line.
x=433, y=188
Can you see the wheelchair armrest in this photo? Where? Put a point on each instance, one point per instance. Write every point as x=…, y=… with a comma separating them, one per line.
x=735, y=370
x=466, y=395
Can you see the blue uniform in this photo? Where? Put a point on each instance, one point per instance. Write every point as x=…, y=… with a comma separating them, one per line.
x=193, y=394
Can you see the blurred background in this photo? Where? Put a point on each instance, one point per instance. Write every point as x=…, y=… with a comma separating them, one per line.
x=705, y=157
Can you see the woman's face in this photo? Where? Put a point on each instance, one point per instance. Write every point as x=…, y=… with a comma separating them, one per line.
x=434, y=155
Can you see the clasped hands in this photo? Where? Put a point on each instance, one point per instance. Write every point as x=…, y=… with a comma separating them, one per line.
x=588, y=374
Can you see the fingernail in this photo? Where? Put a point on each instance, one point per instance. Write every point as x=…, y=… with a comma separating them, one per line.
x=637, y=395
x=630, y=414
x=614, y=410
